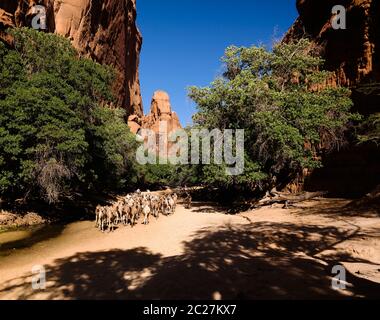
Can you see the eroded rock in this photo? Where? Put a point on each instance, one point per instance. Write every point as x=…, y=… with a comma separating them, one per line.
x=104, y=30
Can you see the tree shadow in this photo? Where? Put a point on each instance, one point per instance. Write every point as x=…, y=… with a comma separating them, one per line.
x=89, y=275
x=252, y=261
x=212, y=207
x=208, y=207
x=340, y=208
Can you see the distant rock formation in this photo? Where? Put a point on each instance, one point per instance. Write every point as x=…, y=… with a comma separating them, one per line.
x=160, y=114
x=104, y=30
x=161, y=111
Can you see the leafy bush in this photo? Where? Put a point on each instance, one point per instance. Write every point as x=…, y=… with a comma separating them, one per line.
x=369, y=130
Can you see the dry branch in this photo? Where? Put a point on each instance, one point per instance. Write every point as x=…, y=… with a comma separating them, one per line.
x=275, y=197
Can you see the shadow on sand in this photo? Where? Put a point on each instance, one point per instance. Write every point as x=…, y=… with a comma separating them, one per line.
x=340, y=208
x=254, y=261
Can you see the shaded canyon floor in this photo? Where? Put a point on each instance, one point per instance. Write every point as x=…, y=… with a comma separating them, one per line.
x=204, y=253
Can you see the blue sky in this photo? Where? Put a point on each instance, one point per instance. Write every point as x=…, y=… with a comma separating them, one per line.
x=185, y=39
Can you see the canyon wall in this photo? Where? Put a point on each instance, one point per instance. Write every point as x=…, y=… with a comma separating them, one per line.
x=353, y=55
x=104, y=30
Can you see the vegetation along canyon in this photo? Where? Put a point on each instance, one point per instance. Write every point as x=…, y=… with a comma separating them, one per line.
x=154, y=150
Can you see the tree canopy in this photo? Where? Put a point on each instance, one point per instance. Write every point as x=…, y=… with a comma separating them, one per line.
x=56, y=136
x=281, y=99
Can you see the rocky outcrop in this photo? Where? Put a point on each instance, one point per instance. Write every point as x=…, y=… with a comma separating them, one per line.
x=6, y=21
x=104, y=30
x=161, y=114
x=161, y=111
x=352, y=54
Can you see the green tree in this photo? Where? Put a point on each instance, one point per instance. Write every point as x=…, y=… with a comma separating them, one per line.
x=278, y=97
x=57, y=136
x=369, y=131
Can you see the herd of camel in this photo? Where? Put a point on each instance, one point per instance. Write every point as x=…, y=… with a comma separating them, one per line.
x=128, y=209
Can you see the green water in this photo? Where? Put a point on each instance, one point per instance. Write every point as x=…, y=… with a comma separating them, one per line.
x=26, y=237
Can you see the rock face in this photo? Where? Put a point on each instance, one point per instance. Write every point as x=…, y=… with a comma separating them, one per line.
x=160, y=113
x=104, y=30
x=353, y=55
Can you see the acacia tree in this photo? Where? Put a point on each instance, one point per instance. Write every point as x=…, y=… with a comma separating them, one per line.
x=278, y=96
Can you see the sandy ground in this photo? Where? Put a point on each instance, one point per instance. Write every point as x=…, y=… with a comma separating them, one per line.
x=203, y=253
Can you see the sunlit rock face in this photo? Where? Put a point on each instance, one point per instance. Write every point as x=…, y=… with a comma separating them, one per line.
x=161, y=119
x=161, y=111
x=104, y=30
x=160, y=123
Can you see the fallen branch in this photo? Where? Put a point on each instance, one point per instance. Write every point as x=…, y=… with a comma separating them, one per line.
x=275, y=197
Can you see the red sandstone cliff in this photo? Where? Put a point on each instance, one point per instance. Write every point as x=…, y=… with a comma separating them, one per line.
x=353, y=55
x=104, y=30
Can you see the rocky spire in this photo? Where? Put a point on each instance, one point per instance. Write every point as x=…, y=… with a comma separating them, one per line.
x=161, y=111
